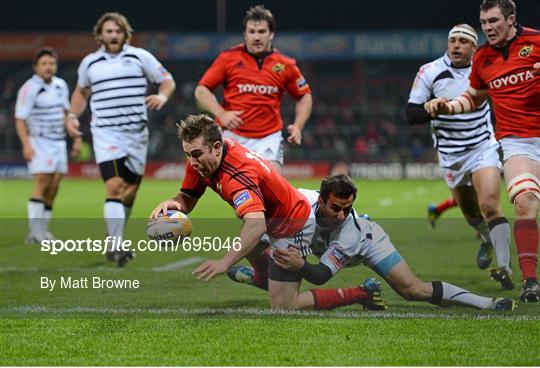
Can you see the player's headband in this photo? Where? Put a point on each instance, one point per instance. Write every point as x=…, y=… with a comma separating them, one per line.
x=459, y=31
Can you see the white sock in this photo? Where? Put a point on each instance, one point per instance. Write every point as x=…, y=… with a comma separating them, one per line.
x=500, y=237
x=113, y=211
x=47, y=214
x=448, y=294
x=482, y=228
x=36, y=209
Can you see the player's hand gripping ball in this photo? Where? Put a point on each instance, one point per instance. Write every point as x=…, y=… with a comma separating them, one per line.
x=173, y=225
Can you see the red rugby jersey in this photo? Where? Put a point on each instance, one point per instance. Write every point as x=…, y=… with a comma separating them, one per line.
x=250, y=184
x=255, y=85
x=514, y=91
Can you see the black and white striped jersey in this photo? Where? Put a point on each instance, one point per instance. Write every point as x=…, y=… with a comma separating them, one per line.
x=451, y=133
x=43, y=107
x=118, y=83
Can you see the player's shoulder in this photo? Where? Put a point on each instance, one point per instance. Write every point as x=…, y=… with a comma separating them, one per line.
x=137, y=52
x=233, y=52
x=92, y=57
x=234, y=152
x=285, y=59
x=482, y=51
x=311, y=195
x=33, y=83
x=530, y=32
x=59, y=82
x=433, y=68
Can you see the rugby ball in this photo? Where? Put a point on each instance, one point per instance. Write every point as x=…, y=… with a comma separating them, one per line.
x=173, y=225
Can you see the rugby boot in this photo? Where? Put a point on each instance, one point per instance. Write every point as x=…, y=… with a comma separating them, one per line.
x=502, y=304
x=502, y=275
x=376, y=302
x=122, y=257
x=432, y=214
x=485, y=255
x=530, y=291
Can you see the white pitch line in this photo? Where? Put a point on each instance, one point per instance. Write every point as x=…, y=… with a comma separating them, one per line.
x=385, y=202
x=265, y=312
x=177, y=265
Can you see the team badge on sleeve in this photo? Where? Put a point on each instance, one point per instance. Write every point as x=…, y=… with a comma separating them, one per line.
x=242, y=198
x=337, y=258
x=301, y=83
x=163, y=71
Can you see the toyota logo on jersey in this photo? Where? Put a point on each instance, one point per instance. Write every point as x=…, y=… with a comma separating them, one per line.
x=257, y=88
x=511, y=79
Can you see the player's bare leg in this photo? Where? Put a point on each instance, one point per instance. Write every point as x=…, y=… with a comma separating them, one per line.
x=408, y=286
x=487, y=182
x=128, y=198
x=36, y=209
x=283, y=294
x=467, y=200
x=50, y=194
x=521, y=174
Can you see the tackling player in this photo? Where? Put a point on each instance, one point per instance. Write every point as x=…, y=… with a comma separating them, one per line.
x=344, y=239
x=467, y=149
x=115, y=79
x=255, y=76
x=40, y=118
x=507, y=69
x=262, y=198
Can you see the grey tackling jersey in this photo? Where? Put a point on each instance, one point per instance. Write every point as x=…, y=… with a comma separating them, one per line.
x=346, y=245
x=118, y=84
x=451, y=133
x=43, y=106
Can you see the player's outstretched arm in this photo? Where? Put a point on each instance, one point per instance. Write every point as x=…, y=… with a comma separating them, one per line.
x=467, y=102
x=166, y=89
x=182, y=202
x=302, y=113
x=253, y=229
x=209, y=103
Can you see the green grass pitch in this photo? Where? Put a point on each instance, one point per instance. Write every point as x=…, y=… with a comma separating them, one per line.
x=174, y=319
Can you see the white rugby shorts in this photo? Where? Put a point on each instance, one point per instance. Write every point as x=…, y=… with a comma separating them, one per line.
x=516, y=146
x=269, y=147
x=458, y=168
x=50, y=156
x=113, y=145
x=301, y=240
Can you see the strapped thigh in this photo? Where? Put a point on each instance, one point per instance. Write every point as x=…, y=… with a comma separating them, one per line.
x=523, y=183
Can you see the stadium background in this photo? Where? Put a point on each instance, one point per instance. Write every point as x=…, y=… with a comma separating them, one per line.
x=359, y=58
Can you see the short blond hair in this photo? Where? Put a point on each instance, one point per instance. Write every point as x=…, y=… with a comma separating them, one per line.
x=120, y=20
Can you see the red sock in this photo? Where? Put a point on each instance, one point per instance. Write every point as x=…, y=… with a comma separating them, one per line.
x=446, y=204
x=333, y=298
x=260, y=265
x=526, y=235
